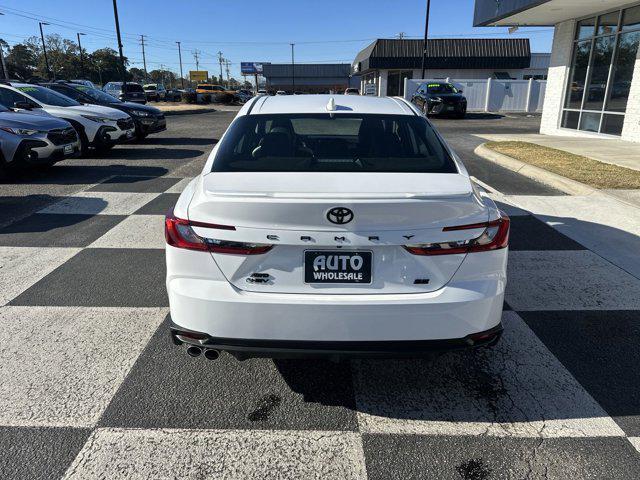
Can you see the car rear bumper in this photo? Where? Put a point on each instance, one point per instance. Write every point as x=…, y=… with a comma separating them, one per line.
x=251, y=348
x=469, y=304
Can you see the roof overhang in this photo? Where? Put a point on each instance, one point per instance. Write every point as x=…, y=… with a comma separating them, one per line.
x=538, y=12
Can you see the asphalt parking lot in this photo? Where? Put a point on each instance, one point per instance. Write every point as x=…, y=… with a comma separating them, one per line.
x=92, y=387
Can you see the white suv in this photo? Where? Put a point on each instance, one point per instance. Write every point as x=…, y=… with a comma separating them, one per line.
x=339, y=227
x=97, y=126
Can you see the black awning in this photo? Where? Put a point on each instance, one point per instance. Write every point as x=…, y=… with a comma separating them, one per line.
x=476, y=53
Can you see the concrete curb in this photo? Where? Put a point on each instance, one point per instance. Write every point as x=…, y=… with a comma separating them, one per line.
x=554, y=180
x=168, y=113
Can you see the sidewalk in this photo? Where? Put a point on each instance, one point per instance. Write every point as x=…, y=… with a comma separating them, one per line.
x=614, y=151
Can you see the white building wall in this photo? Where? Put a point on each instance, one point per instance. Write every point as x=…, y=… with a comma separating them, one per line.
x=382, y=83
x=557, y=77
x=631, y=129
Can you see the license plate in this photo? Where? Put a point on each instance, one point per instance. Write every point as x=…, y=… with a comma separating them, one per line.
x=328, y=266
x=68, y=149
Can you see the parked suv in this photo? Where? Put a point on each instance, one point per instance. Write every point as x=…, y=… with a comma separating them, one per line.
x=155, y=92
x=97, y=126
x=29, y=139
x=134, y=92
x=147, y=119
x=436, y=98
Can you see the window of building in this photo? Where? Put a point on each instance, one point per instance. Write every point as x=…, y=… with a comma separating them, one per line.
x=395, y=82
x=604, y=55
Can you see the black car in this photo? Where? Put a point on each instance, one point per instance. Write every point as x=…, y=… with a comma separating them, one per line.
x=440, y=98
x=147, y=119
x=133, y=93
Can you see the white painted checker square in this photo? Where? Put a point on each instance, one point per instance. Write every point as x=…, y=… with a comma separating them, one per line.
x=225, y=454
x=517, y=388
x=101, y=203
x=135, y=231
x=635, y=441
x=568, y=280
x=60, y=366
x=180, y=186
x=21, y=267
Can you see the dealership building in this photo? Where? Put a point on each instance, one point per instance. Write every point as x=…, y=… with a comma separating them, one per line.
x=308, y=77
x=593, y=85
x=384, y=64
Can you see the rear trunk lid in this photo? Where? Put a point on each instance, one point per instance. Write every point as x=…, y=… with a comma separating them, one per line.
x=290, y=211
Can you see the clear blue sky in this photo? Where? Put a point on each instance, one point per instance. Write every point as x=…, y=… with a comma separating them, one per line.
x=324, y=31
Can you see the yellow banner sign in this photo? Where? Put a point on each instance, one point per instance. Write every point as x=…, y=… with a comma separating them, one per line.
x=198, y=75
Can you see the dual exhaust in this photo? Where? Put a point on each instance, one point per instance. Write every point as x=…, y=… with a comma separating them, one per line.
x=209, y=353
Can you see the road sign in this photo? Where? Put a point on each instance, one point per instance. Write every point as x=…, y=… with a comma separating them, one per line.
x=198, y=75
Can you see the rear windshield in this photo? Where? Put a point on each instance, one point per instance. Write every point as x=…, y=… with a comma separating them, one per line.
x=332, y=143
x=134, y=87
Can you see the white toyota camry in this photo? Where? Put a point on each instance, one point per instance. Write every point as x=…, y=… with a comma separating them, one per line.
x=334, y=226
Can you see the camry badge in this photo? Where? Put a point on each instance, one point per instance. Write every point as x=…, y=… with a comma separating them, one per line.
x=339, y=215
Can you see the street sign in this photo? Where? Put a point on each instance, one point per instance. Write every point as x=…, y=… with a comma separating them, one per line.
x=251, y=68
x=198, y=75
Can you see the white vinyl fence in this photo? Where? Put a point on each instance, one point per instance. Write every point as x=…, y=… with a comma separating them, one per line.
x=493, y=95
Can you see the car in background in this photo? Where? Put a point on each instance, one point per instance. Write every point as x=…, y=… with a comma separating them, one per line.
x=134, y=92
x=27, y=139
x=352, y=91
x=147, y=119
x=334, y=226
x=440, y=98
x=281, y=92
x=174, y=95
x=262, y=92
x=210, y=88
x=244, y=95
x=97, y=126
x=155, y=92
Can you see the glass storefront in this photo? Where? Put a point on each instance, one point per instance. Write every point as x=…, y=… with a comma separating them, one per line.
x=604, y=55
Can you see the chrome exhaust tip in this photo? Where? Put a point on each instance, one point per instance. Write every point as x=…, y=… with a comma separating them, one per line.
x=211, y=354
x=194, y=351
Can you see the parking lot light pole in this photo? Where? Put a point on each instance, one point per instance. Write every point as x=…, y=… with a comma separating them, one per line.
x=44, y=49
x=81, y=56
x=180, y=57
x=426, y=36
x=124, y=71
x=293, y=70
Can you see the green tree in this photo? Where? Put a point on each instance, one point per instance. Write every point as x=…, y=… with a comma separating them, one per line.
x=105, y=66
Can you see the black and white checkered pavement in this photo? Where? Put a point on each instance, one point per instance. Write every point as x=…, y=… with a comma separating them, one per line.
x=91, y=386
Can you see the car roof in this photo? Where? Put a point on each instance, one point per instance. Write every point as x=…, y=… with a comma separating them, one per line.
x=318, y=104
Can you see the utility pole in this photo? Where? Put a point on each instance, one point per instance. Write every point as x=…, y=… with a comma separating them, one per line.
x=124, y=71
x=81, y=56
x=4, y=64
x=293, y=71
x=144, y=59
x=196, y=54
x=401, y=35
x=44, y=49
x=226, y=63
x=180, y=57
x=426, y=37
x=220, y=59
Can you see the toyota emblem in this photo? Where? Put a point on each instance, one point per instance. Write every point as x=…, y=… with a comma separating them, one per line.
x=339, y=215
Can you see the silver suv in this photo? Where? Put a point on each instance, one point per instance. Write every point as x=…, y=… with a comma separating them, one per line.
x=30, y=139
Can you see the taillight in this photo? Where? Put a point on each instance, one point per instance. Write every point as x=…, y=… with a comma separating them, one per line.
x=179, y=234
x=494, y=237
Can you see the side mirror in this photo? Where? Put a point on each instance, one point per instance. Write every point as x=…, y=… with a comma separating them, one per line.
x=460, y=90
x=24, y=105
